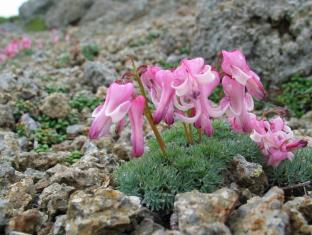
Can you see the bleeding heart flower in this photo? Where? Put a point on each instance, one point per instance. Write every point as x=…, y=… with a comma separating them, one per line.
x=25, y=43
x=235, y=66
x=119, y=102
x=275, y=140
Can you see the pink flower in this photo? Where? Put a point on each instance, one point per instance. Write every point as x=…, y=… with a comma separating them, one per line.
x=275, y=140
x=234, y=65
x=12, y=49
x=119, y=102
x=26, y=43
x=194, y=82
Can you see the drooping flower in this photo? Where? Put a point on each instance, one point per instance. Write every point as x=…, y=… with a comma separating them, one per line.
x=235, y=66
x=194, y=82
x=275, y=139
x=240, y=83
x=12, y=49
x=119, y=102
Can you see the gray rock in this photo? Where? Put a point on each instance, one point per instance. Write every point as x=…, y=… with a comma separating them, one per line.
x=54, y=198
x=34, y=174
x=9, y=145
x=261, y=215
x=31, y=8
x=29, y=123
x=210, y=229
x=67, y=12
x=75, y=130
x=146, y=227
x=20, y=195
x=27, y=88
x=4, y=214
x=201, y=209
x=7, y=176
x=275, y=39
x=6, y=116
x=40, y=161
x=97, y=74
x=56, y=105
x=248, y=175
x=103, y=212
x=59, y=225
x=7, y=82
x=167, y=232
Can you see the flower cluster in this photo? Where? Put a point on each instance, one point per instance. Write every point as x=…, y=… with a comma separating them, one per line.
x=182, y=93
x=14, y=47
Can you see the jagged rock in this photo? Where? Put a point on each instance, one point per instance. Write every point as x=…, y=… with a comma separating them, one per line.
x=167, y=232
x=59, y=225
x=55, y=198
x=248, y=175
x=75, y=130
x=204, y=229
x=26, y=88
x=146, y=227
x=98, y=74
x=4, y=214
x=7, y=176
x=105, y=211
x=7, y=82
x=201, y=209
x=27, y=222
x=67, y=12
x=9, y=146
x=21, y=194
x=261, y=215
x=56, y=105
x=75, y=177
x=6, y=116
x=31, y=8
x=275, y=39
x=34, y=174
x=29, y=123
x=40, y=161
x=300, y=213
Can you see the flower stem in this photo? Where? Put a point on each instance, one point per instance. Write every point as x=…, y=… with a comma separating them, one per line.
x=190, y=133
x=147, y=112
x=200, y=134
x=186, y=133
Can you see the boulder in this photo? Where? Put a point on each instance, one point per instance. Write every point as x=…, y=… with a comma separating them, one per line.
x=274, y=35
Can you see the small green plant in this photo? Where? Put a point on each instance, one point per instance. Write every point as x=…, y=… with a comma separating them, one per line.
x=36, y=24
x=91, y=51
x=22, y=107
x=81, y=101
x=48, y=136
x=54, y=89
x=200, y=166
x=42, y=148
x=63, y=60
x=166, y=65
x=20, y=130
x=73, y=157
x=297, y=95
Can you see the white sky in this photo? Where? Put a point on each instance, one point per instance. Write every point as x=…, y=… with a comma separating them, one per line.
x=10, y=7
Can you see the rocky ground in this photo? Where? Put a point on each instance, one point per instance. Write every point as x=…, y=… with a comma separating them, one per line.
x=54, y=180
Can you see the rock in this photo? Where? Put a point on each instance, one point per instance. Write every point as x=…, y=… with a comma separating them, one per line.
x=7, y=82
x=248, y=175
x=167, y=232
x=97, y=74
x=55, y=198
x=29, y=123
x=212, y=228
x=31, y=8
x=26, y=88
x=34, y=174
x=105, y=211
x=67, y=12
x=6, y=116
x=75, y=177
x=59, y=225
x=300, y=220
x=275, y=39
x=146, y=227
x=75, y=130
x=4, y=214
x=201, y=209
x=27, y=222
x=9, y=146
x=21, y=194
x=261, y=215
x=56, y=105
x=7, y=176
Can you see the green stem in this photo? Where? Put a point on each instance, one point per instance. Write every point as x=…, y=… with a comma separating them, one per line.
x=186, y=133
x=147, y=112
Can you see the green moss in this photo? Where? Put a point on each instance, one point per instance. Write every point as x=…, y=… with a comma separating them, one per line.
x=36, y=24
x=81, y=101
x=200, y=166
x=296, y=95
x=73, y=157
x=91, y=51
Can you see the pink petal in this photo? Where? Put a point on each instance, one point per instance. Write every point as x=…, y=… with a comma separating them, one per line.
x=236, y=93
x=136, y=121
x=233, y=58
x=255, y=87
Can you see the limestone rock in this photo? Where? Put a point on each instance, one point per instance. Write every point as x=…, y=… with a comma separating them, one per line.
x=275, y=39
x=248, y=175
x=261, y=215
x=97, y=74
x=55, y=198
x=201, y=209
x=6, y=116
x=102, y=212
x=56, y=105
x=59, y=225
